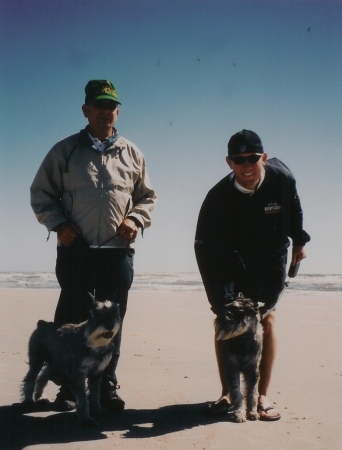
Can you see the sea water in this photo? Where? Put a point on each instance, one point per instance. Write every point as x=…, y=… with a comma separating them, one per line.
x=159, y=281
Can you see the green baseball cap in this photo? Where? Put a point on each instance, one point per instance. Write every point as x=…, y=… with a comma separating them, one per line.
x=100, y=90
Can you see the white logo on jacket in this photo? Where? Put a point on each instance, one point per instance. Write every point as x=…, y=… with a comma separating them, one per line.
x=272, y=208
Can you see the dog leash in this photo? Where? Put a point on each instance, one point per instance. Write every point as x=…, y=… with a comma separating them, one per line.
x=117, y=233
x=125, y=248
x=122, y=262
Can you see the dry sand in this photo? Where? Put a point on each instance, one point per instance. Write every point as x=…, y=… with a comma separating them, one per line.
x=168, y=374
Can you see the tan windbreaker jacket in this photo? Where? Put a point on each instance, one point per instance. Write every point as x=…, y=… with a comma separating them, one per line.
x=95, y=191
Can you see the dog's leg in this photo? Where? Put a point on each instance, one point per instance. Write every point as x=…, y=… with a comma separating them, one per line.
x=235, y=395
x=29, y=382
x=41, y=383
x=251, y=382
x=82, y=404
x=94, y=384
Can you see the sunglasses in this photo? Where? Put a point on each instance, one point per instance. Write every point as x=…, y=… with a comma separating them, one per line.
x=105, y=104
x=252, y=159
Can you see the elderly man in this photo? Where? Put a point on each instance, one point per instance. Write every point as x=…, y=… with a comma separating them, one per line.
x=242, y=242
x=94, y=191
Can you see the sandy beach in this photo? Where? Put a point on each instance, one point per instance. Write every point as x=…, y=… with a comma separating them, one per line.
x=168, y=375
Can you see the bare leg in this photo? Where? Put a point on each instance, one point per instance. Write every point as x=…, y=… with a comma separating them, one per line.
x=266, y=365
x=221, y=406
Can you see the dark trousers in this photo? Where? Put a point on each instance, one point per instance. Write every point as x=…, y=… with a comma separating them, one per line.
x=107, y=273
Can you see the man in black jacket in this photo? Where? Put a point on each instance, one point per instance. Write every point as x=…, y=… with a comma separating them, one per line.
x=241, y=244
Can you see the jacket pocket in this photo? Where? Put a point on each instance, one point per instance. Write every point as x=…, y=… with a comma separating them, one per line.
x=67, y=204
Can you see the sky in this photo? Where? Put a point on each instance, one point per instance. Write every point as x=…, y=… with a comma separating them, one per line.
x=190, y=73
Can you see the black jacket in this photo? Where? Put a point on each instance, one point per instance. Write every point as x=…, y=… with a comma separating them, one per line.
x=241, y=240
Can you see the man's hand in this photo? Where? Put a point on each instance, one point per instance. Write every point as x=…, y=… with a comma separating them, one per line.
x=128, y=229
x=66, y=232
x=298, y=253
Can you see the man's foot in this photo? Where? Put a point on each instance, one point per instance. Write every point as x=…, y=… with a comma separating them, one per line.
x=266, y=411
x=65, y=400
x=109, y=398
x=219, y=408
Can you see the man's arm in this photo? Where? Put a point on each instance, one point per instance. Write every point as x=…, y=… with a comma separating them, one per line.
x=46, y=191
x=299, y=236
x=144, y=200
x=213, y=252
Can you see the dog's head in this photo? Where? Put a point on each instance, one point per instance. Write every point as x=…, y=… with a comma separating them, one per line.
x=236, y=318
x=103, y=323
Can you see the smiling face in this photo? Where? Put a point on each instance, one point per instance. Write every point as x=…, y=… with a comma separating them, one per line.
x=247, y=174
x=101, y=115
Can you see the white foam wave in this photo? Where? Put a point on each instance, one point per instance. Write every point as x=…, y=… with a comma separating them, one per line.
x=161, y=281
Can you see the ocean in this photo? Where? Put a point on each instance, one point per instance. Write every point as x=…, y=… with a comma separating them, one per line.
x=177, y=282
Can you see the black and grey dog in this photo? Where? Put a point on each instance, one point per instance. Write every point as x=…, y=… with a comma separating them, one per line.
x=238, y=325
x=77, y=354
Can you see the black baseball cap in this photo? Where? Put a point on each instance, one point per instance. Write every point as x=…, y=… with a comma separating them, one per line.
x=244, y=141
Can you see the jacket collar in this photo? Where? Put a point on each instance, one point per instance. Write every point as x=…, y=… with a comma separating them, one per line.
x=113, y=141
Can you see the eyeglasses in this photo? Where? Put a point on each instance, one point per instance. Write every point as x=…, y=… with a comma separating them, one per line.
x=252, y=159
x=105, y=104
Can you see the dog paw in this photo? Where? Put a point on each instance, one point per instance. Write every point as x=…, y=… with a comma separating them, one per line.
x=253, y=415
x=239, y=418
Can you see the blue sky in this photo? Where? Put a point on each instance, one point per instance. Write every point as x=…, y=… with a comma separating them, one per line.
x=190, y=74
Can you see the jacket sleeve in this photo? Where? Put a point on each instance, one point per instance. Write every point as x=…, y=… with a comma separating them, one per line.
x=299, y=236
x=213, y=254
x=46, y=192
x=144, y=198
x=294, y=214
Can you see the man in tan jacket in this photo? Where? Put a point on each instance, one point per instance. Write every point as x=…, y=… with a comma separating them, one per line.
x=93, y=190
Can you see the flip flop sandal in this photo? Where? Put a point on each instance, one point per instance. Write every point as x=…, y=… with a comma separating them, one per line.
x=219, y=408
x=268, y=418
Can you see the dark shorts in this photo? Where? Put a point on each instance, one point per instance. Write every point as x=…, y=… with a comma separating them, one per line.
x=263, y=284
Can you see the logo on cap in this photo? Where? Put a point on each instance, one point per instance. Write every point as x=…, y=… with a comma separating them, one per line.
x=100, y=90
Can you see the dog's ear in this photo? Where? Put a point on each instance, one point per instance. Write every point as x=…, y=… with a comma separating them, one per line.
x=93, y=306
x=92, y=297
x=256, y=307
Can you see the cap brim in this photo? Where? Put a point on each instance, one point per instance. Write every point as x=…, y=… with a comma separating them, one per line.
x=107, y=97
x=246, y=149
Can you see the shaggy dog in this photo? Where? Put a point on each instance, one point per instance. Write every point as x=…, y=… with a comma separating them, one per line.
x=74, y=354
x=238, y=326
